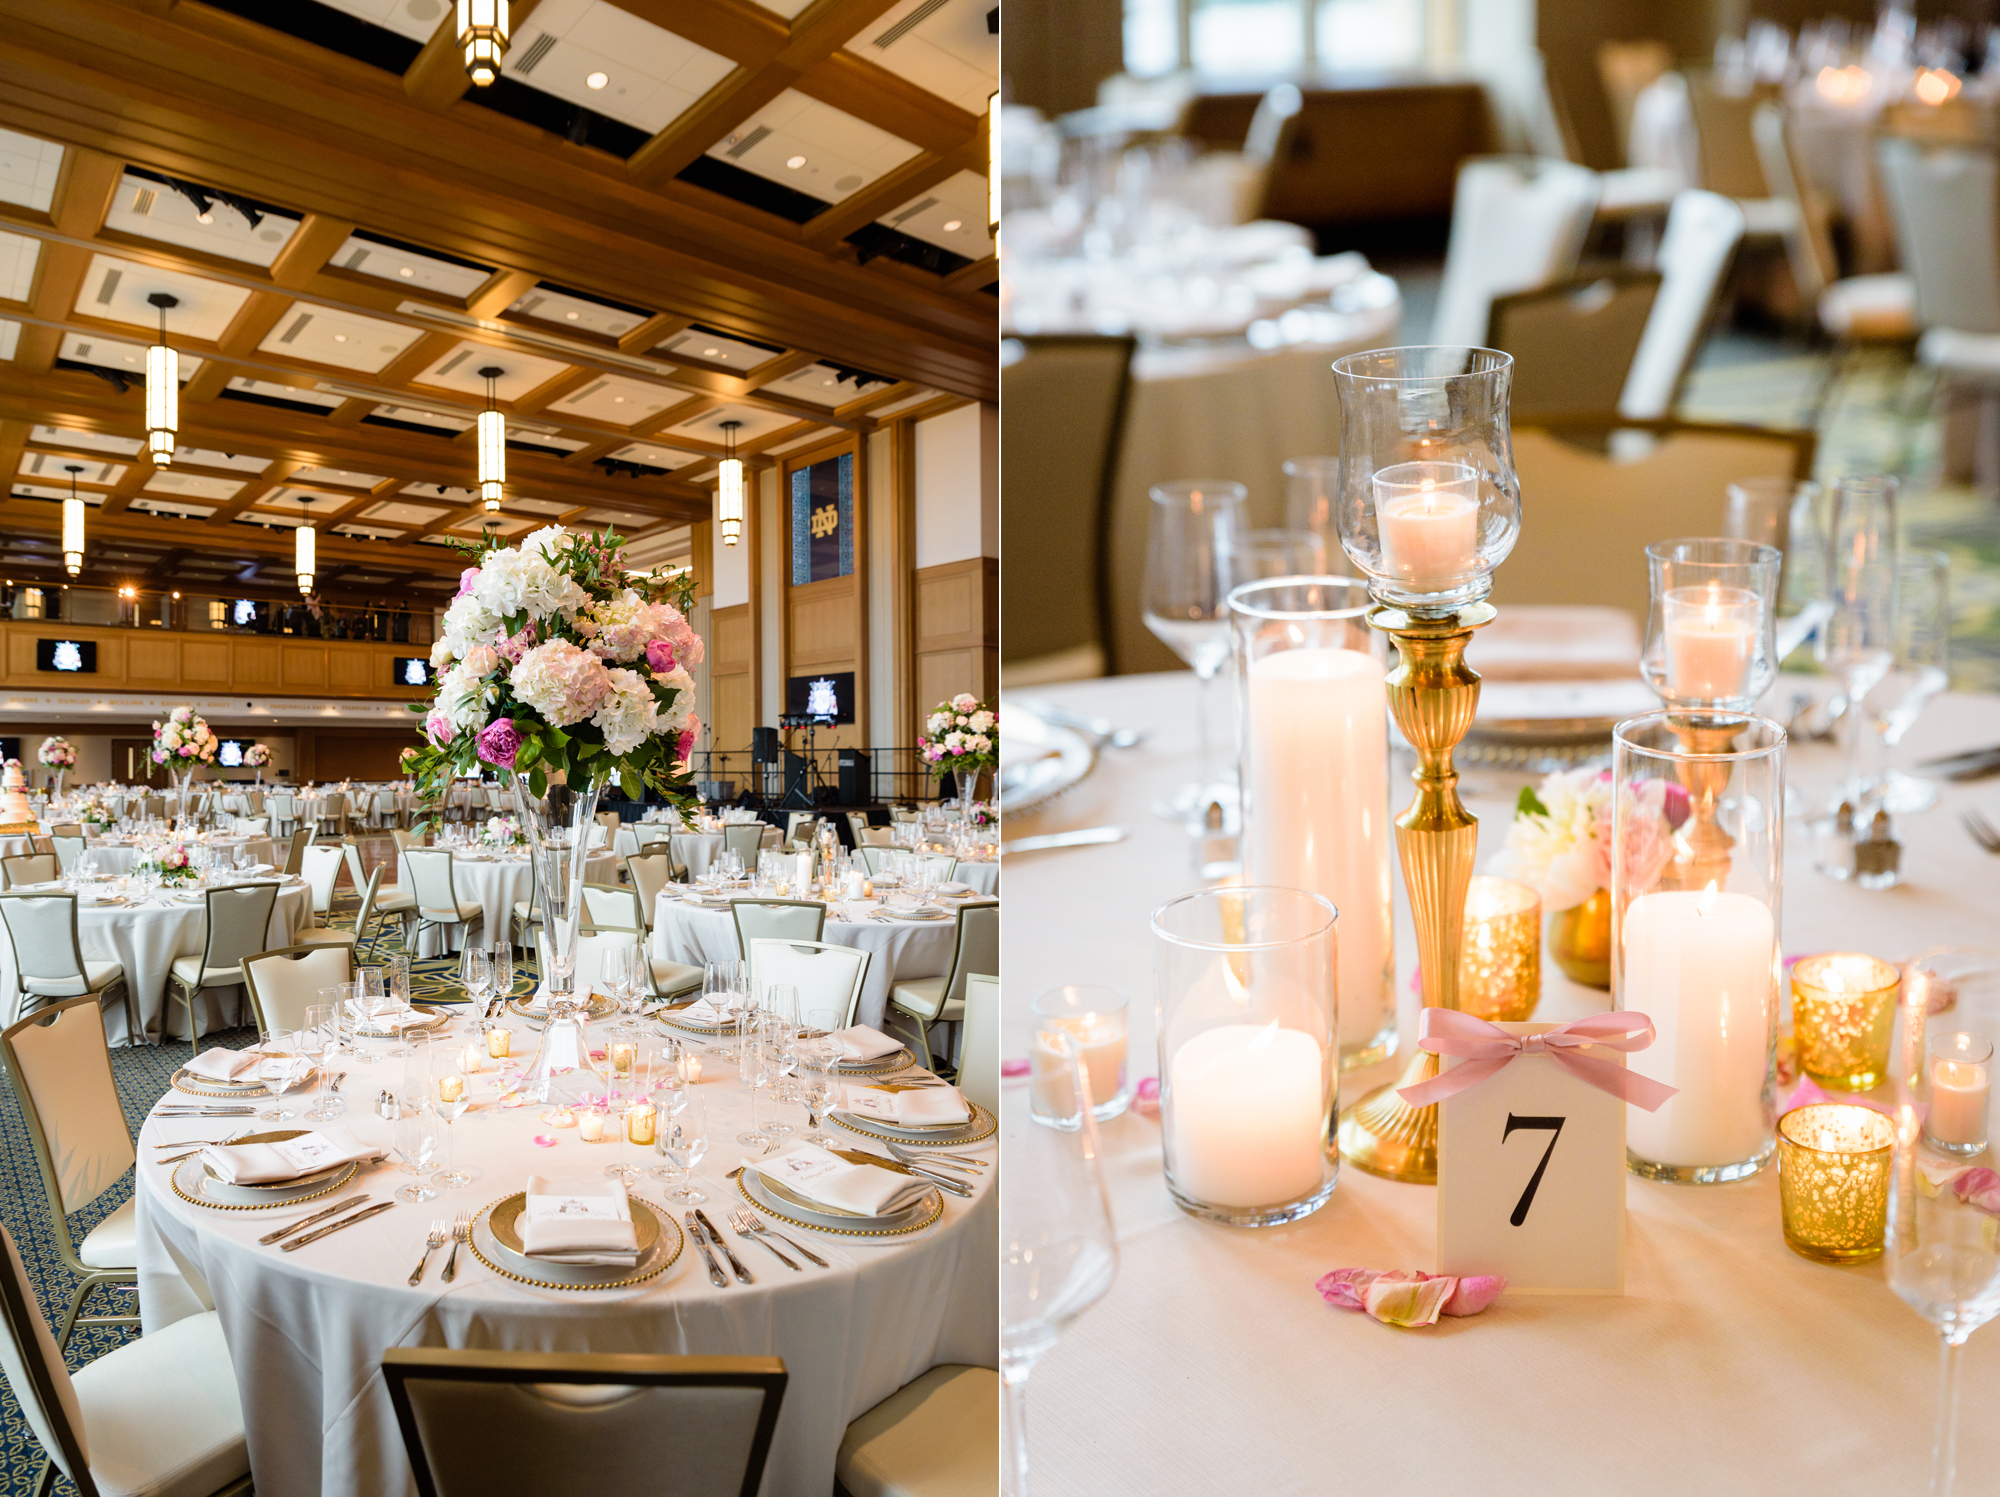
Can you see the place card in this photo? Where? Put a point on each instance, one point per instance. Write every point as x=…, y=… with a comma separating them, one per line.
x=1531, y=1177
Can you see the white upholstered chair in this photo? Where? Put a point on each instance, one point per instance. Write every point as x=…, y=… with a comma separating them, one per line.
x=936, y=1437
x=1703, y=231
x=437, y=895
x=239, y=924
x=826, y=976
x=979, y=1051
x=941, y=1000
x=286, y=981
x=48, y=955
x=1516, y=222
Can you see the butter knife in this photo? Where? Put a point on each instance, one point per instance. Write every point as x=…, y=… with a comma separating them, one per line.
x=306, y=1221
x=742, y=1273
x=715, y=1274
x=862, y=1156
x=345, y=1221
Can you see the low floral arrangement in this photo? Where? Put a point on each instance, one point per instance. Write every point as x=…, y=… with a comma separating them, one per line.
x=183, y=740
x=93, y=812
x=981, y=814
x=171, y=862
x=56, y=753
x=556, y=663
x=1559, y=842
x=407, y=757
x=503, y=831
x=257, y=756
x=962, y=736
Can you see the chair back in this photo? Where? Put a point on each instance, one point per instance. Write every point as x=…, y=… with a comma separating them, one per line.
x=68, y=849
x=745, y=839
x=650, y=872
x=295, y=855
x=1573, y=342
x=513, y=1421
x=875, y=836
x=153, y=805
x=975, y=945
x=1628, y=69
x=253, y=802
x=1703, y=230
x=42, y=930
x=979, y=1049
x=785, y=919
x=322, y=871
x=432, y=883
x=60, y=1066
x=941, y=866
x=826, y=976
x=1056, y=621
x=590, y=950
x=239, y=923
x=28, y=868
x=857, y=823
x=651, y=834
x=350, y=859
x=1809, y=241
x=407, y=840
x=285, y=982
x=796, y=820
x=66, y=829
x=37, y=1374
x=874, y=854
x=253, y=826
x=1943, y=199
x=612, y=907
x=1517, y=222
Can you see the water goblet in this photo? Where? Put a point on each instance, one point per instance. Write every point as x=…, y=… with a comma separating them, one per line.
x=323, y=1033
x=415, y=1140
x=684, y=1141
x=287, y=1065
x=475, y=975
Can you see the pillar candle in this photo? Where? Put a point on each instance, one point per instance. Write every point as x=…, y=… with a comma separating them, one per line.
x=1711, y=635
x=1699, y=965
x=1961, y=1084
x=1317, y=760
x=804, y=875
x=1427, y=516
x=1249, y=1115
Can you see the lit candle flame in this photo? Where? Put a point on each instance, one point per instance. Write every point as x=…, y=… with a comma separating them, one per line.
x=1707, y=901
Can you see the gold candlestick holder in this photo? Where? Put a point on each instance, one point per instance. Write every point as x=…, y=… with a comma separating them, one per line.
x=1433, y=694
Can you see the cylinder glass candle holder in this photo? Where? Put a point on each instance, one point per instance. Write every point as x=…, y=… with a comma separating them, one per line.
x=1249, y=1064
x=1094, y=1018
x=1315, y=778
x=1696, y=891
x=1500, y=960
x=1843, y=1014
x=1959, y=1074
x=1833, y=1180
x=1710, y=640
x=1429, y=502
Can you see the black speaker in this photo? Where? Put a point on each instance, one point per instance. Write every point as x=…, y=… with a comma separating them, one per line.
x=763, y=745
x=798, y=784
x=854, y=778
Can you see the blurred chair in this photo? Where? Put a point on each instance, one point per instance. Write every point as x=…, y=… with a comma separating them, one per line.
x=979, y=1052
x=1071, y=393
x=825, y=975
x=1573, y=342
x=746, y=840
x=1628, y=69
x=238, y=926
x=1703, y=230
x=1517, y=222
x=29, y=868
x=48, y=956
x=322, y=872
x=1597, y=492
x=1240, y=168
x=1730, y=163
x=68, y=849
x=938, y=1436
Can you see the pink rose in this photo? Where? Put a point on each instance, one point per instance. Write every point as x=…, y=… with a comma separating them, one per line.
x=439, y=727
x=685, y=747
x=660, y=656
x=187, y=751
x=499, y=742
x=465, y=580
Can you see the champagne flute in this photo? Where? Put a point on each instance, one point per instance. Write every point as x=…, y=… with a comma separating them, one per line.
x=754, y=1070
x=817, y=1056
x=1058, y=1249
x=450, y=1096
x=718, y=986
x=1857, y=641
x=415, y=1140
x=685, y=1143
x=781, y=1000
x=1189, y=533
x=675, y=1102
x=323, y=1028
x=500, y=969
x=1919, y=670
x=475, y=975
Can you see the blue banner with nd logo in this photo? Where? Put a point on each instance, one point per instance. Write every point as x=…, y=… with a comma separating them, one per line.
x=823, y=520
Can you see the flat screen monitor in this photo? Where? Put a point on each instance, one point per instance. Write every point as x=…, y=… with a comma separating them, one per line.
x=74, y=656
x=414, y=670
x=826, y=698
x=229, y=752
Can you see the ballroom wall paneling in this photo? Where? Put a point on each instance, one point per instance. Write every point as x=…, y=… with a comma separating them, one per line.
x=352, y=753
x=954, y=481
x=826, y=622
x=885, y=672
x=732, y=678
x=255, y=664
x=957, y=623
x=767, y=595
x=95, y=760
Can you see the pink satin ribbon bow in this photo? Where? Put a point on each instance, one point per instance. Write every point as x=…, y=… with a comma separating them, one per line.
x=1485, y=1049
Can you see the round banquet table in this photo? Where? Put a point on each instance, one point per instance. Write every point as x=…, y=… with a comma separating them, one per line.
x=983, y=877
x=1718, y=1316
x=497, y=884
x=145, y=939
x=306, y=1330
x=118, y=857
x=697, y=850
x=898, y=949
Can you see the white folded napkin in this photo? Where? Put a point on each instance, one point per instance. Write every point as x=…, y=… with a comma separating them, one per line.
x=701, y=1011
x=918, y=1107
x=224, y=1065
x=810, y=1171
x=914, y=912
x=259, y=1164
x=863, y=1043
x=579, y=1222
x=394, y=1021
x=956, y=890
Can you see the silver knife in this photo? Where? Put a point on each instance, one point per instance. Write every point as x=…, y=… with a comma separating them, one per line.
x=1088, y=837
x=345, y=1221
x=742, y=1273
x=715, y=1274
x=863, y=1156
x=306, y=1221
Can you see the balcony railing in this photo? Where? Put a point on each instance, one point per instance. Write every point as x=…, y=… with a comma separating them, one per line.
x=210, y=613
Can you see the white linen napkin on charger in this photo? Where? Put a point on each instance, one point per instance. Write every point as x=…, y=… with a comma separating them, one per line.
x=914, y=1107
x=568, y=1221
x=701, y=1011
x=862, y=1043
x=393, y=1021
x=957, y=890
x=287, y=1159
x=810, y=1171
x=219, y=1064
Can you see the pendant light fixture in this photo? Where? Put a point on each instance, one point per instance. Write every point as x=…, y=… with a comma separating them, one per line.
x=482, y=36
x=305, y=548
x=163, y=388
x=492, y=443
x=73, y=525
x=729, y=487
x=993, y=163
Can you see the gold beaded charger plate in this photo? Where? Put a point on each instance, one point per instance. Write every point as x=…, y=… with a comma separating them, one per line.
x=693, y=1026
x=436, y=1018
x=790, y=1207
x=601, y=1007
x=208, y=1086
x=193, y=1184
x=881, y=1065
x=979, y=1125
x=1039, y=759
x=496, y=1242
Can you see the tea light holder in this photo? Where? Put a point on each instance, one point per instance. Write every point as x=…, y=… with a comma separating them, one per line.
x=450, y=1088
x=1711, y=630
x=1843, y=1013
x=590, y=1125
x=689, y=1066
x=472, y=1060
x=1096, y=1019
x=640, y=1120
x=1833, y=1180
x=1960, y=1073
x=1500, y=960
x=622, y=1053
x=499, y=1043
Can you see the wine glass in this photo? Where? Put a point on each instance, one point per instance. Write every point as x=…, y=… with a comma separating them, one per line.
x=286, y=1066
x=1858, y=641
x=475, y=975
x=755, y=1069
x=718, y=986
x=415, y=1140
x=1190, y=530
x=1058, y=1249
x=626, y=977
x=323, y=1033
x=1919, y=670
x=684, y=1140
x=500, y=967
x=781, y=1001
x=450, y=1096
x=818, y=1056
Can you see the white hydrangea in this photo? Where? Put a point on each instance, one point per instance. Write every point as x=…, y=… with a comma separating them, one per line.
x=674, y=718
x=627, y=715
x=517, y=582
x=980, y=722
x=463, y=697
x=468, y=623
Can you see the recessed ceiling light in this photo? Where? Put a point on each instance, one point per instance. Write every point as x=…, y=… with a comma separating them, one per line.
x=340, y=337
x=795, y=162
x=953, y=225
x=709, y=353
x=597, y=80
x=827, y=382
x=406, y=272
x=618, y=400
x=572, y=316
x=204, y=218
x=131, y=358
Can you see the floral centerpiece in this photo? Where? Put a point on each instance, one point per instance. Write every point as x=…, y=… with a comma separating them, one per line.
x=92, y=812
x=183, y=743
x=962, y=737
x=171, y=862
x=57, y=754
x=503, y=831
x=1559, y=843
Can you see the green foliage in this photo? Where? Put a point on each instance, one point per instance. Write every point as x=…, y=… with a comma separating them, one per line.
x=1529, y=804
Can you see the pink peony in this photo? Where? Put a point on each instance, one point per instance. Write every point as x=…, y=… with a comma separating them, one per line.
x=660, y=656
x=465, y=580
x=499, y=742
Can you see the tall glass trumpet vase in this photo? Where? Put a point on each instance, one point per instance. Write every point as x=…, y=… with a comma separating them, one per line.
x=1429, y=505
x=183, y=784
x=558, y=825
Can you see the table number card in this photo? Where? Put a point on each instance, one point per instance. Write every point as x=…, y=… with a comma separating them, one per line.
x=1531, y=1177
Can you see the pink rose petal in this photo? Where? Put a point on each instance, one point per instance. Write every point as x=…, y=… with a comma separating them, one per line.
x=1474, y=1293
x=1013, y=1068
x=1146, y=1097
x=1408, y=1299
x=1980, y=1187
x=543, y=1141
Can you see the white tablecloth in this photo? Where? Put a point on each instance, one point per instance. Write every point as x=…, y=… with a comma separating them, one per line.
x=983, y=877
x=697, y=850
x=118, y=857
x=1213, y=1365
x=496, y=884
x=898, y=950
x=307, y=1330
x=145, y=939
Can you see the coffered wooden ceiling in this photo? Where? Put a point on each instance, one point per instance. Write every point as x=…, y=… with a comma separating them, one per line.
x=667, y=214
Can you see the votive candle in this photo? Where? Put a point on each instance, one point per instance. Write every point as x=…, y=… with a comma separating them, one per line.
x=450, y=1088
x=1843, y=1013
x=640, y=1120
x=1095, y=1018
x=471, y=1060
x=622, y=1052
x=689, y=1066
x=1833, y=1180
x=1711, y=636
x=1961, y=1077
x=499, y=1043
x=1500, y=959
x=1427, y=516
x=590, y=1125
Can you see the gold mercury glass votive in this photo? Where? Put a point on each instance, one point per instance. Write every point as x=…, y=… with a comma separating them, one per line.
x=1500, y=960
x=1843, y=1011
x=1833, y=1180
x=499, y=1043
x=639, y=1123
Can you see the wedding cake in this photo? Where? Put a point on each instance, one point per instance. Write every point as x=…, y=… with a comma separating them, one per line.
x=15, y=813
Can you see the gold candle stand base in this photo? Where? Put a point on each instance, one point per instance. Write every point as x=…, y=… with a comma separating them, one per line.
x=1434, y=694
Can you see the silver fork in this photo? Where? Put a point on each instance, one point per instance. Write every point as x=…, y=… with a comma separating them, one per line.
x=756, y=1224
x=1982, y=830
x=431, y=1244
x=742, y=1229
x=461, y=1231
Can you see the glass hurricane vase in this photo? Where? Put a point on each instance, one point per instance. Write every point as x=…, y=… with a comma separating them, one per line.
x=558, y=826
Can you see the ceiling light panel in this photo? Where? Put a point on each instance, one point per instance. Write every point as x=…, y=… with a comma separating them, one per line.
x=573, y=313
x=275, y=391
x=654, y=457
x=18, y=254
x=55, y=465
x=289, y=498
x=415, y=19
x=47, y=491
x=713, y=348
x=87, y=441
x=945, y=49
x=882, y=411
x=270, y=521
x=445, y=494
x=112, y=353
x=535, y=437
x=192, y=486
x=501, y=526
x=208, y=457
x=389, y=262
x=154, y=211
x=707, y=427
x=366, y=533
x=625, y=519
x=459, y=370
x=785, y=8
x=174, y=507
x=115, y=290
x=415, y=417
x=960, y=199
x=839, y=154
x=10, y=337
x=652, y=76
x=821, y=384
x=538, y=506
x=28, y=170
x=619, y=402
x=342, y=340
x=398, y=513
x=314, y=473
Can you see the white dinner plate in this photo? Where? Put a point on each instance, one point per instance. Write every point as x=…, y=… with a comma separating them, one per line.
x=1039, y=760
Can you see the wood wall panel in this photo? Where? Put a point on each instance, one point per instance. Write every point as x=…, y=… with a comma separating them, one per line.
x=128, y=660
x=258, y=666
x=957, y=630
x=151, y=658
x=826, y=620
x=732, y=680
x=734, y=717
x=205, y=662
x=730, y=650
x=355, y=672
x=305, y=667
